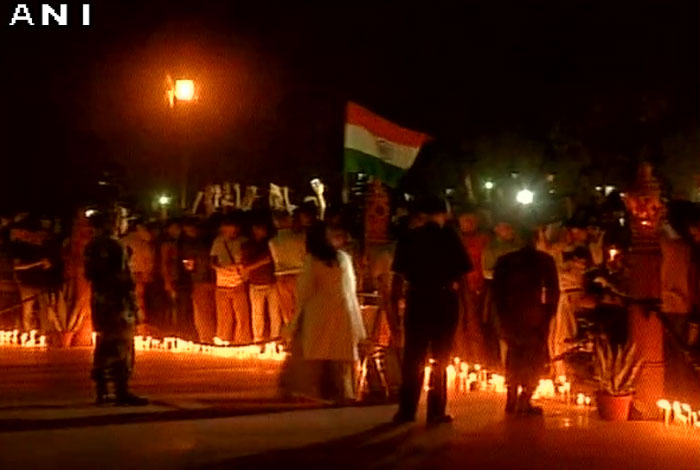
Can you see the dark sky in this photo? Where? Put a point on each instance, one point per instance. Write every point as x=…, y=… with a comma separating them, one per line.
x=275, y=77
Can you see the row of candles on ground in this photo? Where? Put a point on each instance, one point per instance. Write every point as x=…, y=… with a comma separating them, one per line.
x=462, y=377
x=25, y=340
x=269, y=351
x=678, y=413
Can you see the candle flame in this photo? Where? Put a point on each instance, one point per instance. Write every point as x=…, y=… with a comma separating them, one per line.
x=664, y=404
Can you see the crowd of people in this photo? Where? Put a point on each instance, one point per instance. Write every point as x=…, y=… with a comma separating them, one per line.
x=227, y=279
x=491, y=286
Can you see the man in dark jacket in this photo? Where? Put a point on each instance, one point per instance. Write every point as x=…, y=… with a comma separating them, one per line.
x=526, y=293
x=432, y=260
x=114, y=311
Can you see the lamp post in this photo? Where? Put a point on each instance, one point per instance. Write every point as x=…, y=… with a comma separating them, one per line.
x=181, y=93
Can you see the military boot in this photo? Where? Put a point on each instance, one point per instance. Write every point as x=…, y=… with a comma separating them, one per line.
x=126, y=398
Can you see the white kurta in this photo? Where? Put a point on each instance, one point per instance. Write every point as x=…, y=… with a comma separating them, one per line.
x=328, y=309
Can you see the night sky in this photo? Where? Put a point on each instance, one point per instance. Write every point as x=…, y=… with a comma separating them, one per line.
x=275, y=78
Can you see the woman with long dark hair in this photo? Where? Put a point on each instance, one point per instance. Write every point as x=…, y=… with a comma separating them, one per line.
x=327, y=327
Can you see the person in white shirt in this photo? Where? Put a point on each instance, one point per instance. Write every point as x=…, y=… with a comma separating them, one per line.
x=232, y=307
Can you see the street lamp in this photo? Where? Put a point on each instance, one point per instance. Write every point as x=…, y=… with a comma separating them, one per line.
x=182, y=91
x=164, y=201
x=525, y=197
x=488, y=185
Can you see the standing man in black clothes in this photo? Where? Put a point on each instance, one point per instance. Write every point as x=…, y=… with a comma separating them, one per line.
x=432, y=259
x=526, y=293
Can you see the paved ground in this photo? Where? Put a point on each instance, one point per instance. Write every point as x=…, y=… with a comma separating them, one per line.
x=58, y=376
x=481, y=437
x=221, y=413
x=52, y=389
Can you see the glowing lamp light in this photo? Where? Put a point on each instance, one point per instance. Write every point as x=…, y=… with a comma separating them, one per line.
x=184, y=90
x=488, y=185
x=525, y=197
x=90, y=212
x=613, y=253
x=164, y=200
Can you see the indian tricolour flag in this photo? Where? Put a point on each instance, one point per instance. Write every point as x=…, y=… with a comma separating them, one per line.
x=379, y=147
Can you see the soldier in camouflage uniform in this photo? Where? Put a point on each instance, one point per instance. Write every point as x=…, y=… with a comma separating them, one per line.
x=114, y=312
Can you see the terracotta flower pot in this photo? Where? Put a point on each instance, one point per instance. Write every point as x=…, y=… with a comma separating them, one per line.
x=613, y=407
x=66, y=338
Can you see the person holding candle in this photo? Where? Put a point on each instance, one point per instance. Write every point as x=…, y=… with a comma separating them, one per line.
x=177, y=278
x=259, y=269
x=232, y=307
x=196, y=261
x=526, y=293
x=433, y=261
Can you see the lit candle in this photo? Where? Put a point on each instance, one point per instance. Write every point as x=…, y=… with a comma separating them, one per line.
x=666, y=406
x=686, y=407
x=426, y=378
x=451, y=375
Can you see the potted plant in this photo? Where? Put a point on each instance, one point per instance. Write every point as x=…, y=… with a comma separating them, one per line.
x=616, y=372
x=65, y=313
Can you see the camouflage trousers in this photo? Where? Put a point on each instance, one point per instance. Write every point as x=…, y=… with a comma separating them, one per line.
x=113, y=358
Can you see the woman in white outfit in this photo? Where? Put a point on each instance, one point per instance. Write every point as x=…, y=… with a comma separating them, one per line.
x=327, y=326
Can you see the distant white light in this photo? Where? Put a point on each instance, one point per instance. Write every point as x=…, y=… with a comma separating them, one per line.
x=609, y=189
x=164, y=200
x=449, y=191
x=488, y=185
x=598, y=188
x=90, y=212
x=525, y=197
x=102, y=183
